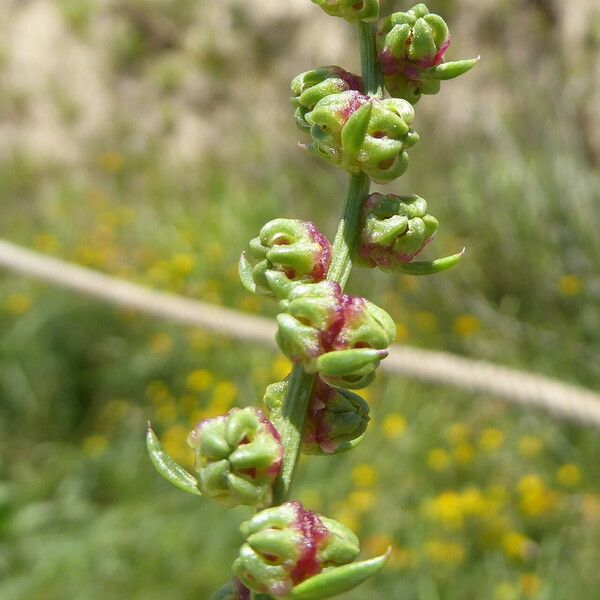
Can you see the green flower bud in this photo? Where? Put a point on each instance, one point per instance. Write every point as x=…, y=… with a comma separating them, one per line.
x=411, y=47
x=394, y=230
x=237, y=457
x=336, y=420
x=312, y=86
x=287, y=544
x=288, y=251
x=351, y=10
x=358, y=133
x=341, y=337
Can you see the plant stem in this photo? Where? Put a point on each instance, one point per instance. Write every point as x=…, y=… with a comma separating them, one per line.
x=295, y=406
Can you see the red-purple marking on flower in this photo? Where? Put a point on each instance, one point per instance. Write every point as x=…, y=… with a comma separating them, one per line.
x=323, y=259
x=318, y=431
x=391, y=65
x=354, y=82
x=355, y=101
x=314, y=533
x=346, y=306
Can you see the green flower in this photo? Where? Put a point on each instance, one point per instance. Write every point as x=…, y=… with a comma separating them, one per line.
x=351, y=10
x=411, y=47
x=359, y=133
x=394, y=230
x=336, y=420
x=295, y=554
x=288, y=251
x=340, y=337
x=312, y=86
x=237, y=457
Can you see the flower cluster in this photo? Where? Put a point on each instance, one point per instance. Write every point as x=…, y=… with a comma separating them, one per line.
x=237, y=457
x=336, y=420
x=288, y=252
x=394, y=230
x=291, y=552
x=362, y=134
x=411, y=47
x=243, y=458
x=340, y=337
x=351, y=10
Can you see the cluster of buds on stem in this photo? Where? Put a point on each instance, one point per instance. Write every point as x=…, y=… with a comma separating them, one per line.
x=338, y=336
x=336, y=420
x=394, y=230
x=288, y=251
x=293, y=553
x=411, y=47
x=362, y=134
x=351, y=10
x=237, y=457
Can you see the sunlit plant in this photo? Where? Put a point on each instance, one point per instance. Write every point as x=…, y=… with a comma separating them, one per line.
x=336, y=341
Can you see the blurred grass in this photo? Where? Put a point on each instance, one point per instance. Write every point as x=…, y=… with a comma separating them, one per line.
x=479, y=499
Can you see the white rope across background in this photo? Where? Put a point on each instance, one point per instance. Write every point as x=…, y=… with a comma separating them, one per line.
x=442, y=368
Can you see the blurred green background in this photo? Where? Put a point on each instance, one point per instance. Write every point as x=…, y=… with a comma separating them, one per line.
x=150, y=139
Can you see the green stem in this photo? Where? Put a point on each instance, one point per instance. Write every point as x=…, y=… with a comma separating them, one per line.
x=295, y=406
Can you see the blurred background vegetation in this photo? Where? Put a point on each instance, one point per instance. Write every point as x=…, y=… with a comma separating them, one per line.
x=150, y=139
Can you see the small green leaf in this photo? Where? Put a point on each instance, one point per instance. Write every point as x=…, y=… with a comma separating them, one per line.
x=246, y=275
x=427, y=267
x=355, y=131
x=450, y=70
x=338, y=580
x=167, y=467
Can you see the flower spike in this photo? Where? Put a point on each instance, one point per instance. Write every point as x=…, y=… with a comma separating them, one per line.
x=411, y=47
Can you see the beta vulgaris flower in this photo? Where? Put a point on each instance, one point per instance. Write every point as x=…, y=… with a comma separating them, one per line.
x=335, y=341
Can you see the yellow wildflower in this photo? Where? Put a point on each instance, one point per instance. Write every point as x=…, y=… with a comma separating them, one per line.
x=158, y=391
x=458, y=433
x=281, y=367
x=402, y=558
x=535, y=499
x=569, y=475
x=161, y=343
x=438, y=459
x=364, y=475
x=94, y=446
x=505, y=591
x=200, y=340
x=464, y=454
x=446, y=553
x=175, y=443
x=225, y=392
x=531, y=585
x=402, y=333
x=491, y=439
x=394, y=426
x=199, y=380
x=378, y=544
x=466, y=325
x=569, y=285
x=530, y=446
x=349, y=518
x=183, y=264
x=446, y=509
x=516, y=545
x=46, y=242
x=17, y=303
x=250, y=304
x=111, y=162
x=361, y=500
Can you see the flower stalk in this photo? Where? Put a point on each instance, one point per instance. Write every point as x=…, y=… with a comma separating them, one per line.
x=336, y=341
